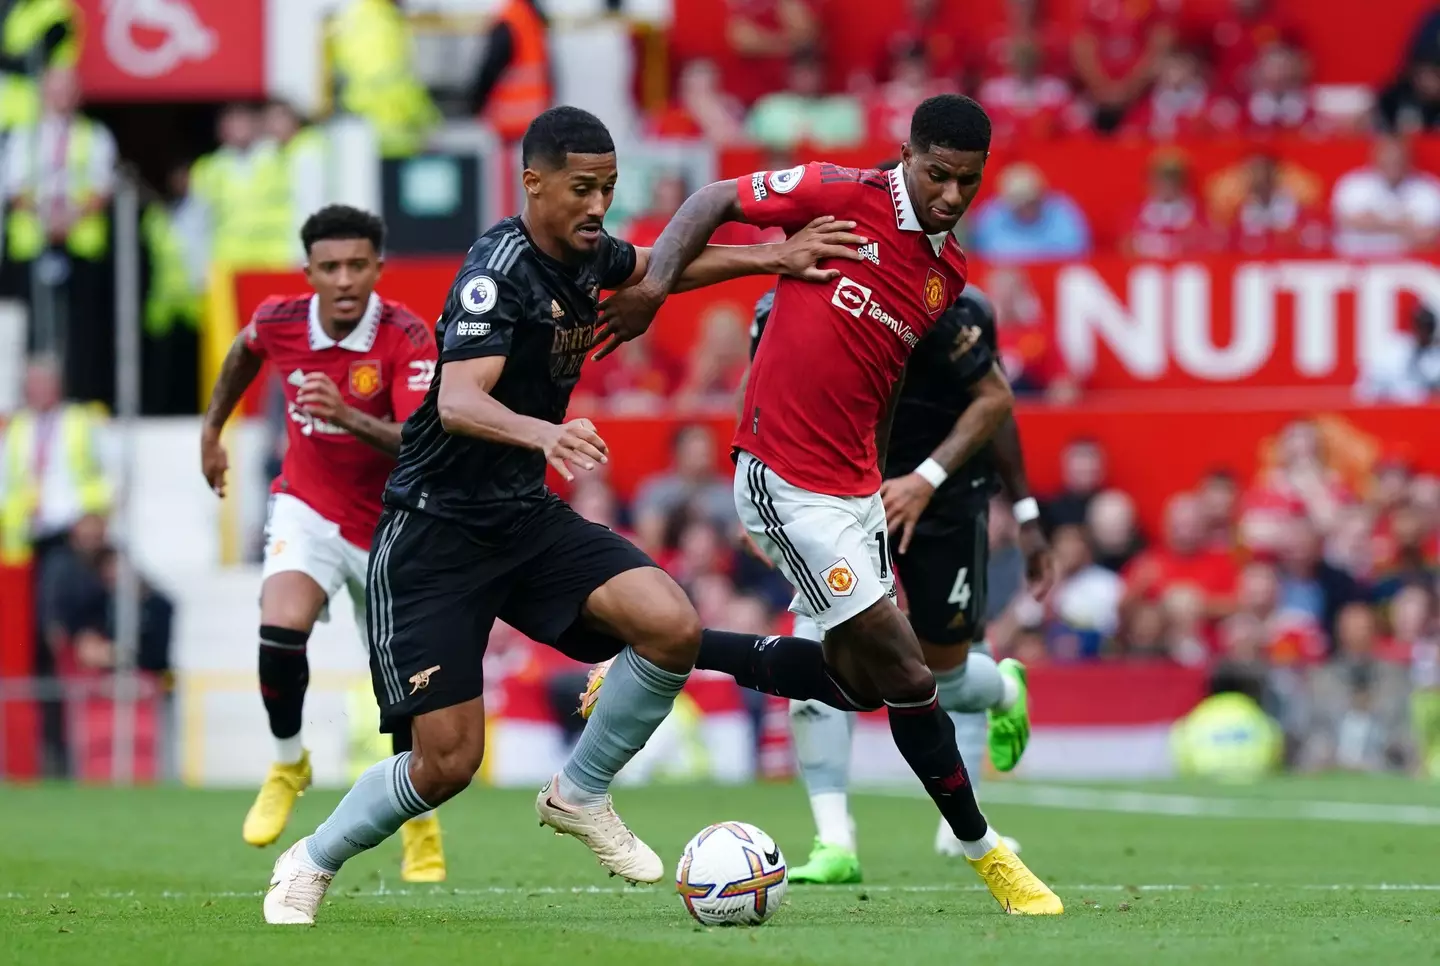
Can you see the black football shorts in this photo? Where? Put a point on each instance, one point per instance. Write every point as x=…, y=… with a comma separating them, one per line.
x=435, y=588
x=943, y=575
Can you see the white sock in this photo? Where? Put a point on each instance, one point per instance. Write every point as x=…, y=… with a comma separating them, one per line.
x=978, y=848
x=289, y=750
x=833, y=825
x=1011, y=693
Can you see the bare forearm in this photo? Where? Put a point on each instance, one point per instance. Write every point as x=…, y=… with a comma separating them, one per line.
x=720, y=263
x=685, y=238
x=238, y=371
x=974, y=427
x=1010, y=459
x=474, y=412
x=381, y=434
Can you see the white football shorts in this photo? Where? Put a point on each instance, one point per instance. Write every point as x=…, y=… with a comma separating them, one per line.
x=833, y=549
x=298, y=538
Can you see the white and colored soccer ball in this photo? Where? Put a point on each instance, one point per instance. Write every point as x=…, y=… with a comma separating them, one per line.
x=731, y=874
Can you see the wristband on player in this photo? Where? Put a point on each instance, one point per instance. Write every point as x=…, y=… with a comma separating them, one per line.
x=932, y=472
x=1026, y=510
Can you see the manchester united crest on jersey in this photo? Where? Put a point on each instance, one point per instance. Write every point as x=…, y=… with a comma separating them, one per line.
x=365, y=379
x=934, y=292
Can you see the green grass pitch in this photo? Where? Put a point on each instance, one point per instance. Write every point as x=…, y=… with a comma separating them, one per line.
x=154, y=876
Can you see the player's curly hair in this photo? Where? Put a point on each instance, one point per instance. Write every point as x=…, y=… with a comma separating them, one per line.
x=950, y=121
x=564, y=130
x=343, y=221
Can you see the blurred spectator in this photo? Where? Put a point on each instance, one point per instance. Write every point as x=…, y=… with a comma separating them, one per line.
x=1184, y=560
x=1028, y=352
x=1297, y=483
x=1408, y=560
x=596, y=502
x=305, y=154
x=700, y=551
x=59, y=176
x=1142, y=635
x=1359, y=706
x=1227, y=737
x=1170, y=223
x=768, y=35
x=800, y=111
x=1388, y=208
x=888, y=107
x=1240, y=38
x=36, y=37
x=372, y=51
x=636, y=379
x=1218, y=496
x=1288, y=636
x=172, y=229
x=1308, y=583
x=1086, y=597
x=1024, y=103
x=1114, y=538
x=1188, y=628
x=922, y=34
x=1082, y=474
x=512, y=83
x=702, y=109
x=1279, y=98
x=1025, y=26
x=1408, y=372
x=1228, y=189
x=718, y=362
x=243, y=189
x=1416, y=620
x=1271, y=219
x=1027, y=221
x=1181, y=103
x=667, y=193
x=693, y=484
x=1117, y=52
x=1411, y=104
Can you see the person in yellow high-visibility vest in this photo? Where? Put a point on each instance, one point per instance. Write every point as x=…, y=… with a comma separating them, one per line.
x=172, y=230
x=34, y=35
x=1228, y=736
x=305, y=150
x=245, y=189
x=370, y=50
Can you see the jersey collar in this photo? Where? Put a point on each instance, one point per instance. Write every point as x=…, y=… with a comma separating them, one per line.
x=905, y=211
x=360, y=339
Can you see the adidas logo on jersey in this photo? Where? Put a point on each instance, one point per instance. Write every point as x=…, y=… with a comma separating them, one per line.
x=871, y=253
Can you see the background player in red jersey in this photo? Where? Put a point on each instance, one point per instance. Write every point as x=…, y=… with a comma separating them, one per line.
x=354, y=366
x=811, y=441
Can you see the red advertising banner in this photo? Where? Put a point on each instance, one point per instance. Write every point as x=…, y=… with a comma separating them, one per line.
x=173, y=50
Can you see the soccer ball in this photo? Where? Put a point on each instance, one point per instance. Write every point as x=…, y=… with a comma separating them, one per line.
x=731, y=874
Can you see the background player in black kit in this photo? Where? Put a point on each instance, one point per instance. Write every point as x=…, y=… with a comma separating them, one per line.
x=943, y=558
x=471, y=533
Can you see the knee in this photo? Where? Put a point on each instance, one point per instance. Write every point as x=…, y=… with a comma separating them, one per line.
x=439, y=775
x=907, y=680
x=670, y=637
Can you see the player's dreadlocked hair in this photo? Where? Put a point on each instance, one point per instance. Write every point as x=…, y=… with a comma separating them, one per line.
x=564, y=130
x=343, y=221
x=950, y=121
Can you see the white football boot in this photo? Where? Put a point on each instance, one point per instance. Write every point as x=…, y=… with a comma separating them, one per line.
x=947, y=844
x=297, y=887
x=602, y=831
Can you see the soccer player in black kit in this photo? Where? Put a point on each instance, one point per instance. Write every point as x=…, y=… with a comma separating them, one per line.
x=471, y=533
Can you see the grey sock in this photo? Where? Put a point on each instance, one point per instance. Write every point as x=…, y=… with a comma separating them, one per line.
x=975, y=685
x=382, y=800
x=971, y=731
x=822, y=745
x=636, y=697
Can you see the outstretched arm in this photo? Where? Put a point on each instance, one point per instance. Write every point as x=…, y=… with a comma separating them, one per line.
x=239, y=370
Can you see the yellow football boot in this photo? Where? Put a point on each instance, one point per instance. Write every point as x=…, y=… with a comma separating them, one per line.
x=1014, y=886
x=424, y=858
x=267, y=817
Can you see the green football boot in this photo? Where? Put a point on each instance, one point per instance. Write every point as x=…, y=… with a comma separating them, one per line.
x=1010, y=729
x=828, y=865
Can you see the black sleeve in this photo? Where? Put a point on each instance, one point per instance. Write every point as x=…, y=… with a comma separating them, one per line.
x=972, y=366
x=757, y=324
x=480, y=316
x=498, y=54
x=616, y=262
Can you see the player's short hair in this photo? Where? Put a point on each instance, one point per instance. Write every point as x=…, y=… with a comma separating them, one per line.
x=342, y=221
x=950, y=121
x=890, y=165
x=562, y=131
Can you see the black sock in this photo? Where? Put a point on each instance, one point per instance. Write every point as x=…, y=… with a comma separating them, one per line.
x=926, y=739
x=284, y=676
x=790, y=667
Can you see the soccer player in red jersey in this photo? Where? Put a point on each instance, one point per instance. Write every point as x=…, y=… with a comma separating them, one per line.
x=810, y=446
x=354, y=367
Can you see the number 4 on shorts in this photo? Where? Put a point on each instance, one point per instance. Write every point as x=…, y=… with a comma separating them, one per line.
x=960, y=593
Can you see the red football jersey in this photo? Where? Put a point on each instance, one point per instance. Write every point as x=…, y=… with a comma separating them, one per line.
x=383, y=368
x=832, y=353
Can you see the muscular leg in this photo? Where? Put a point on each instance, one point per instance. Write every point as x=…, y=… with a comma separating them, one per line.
x=449, y=746
x=290, y=603
x=650, y=613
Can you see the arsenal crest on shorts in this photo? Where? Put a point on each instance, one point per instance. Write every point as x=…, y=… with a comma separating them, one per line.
x=365, y=379
x=934, y=291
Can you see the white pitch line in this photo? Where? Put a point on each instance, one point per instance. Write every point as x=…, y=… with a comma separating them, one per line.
x=537, y=891
x=1154, y=803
